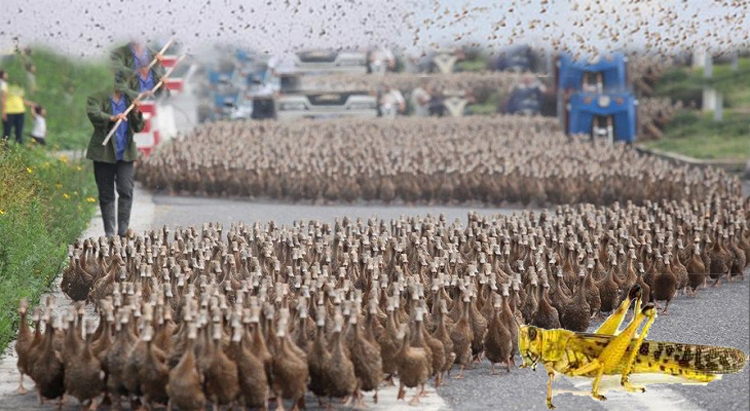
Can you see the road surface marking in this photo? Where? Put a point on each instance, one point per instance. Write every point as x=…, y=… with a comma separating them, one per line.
x=654, y=399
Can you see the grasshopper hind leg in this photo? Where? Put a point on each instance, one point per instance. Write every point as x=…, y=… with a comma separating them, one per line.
x=612, y=324
x=650, y=312
x=551, y=374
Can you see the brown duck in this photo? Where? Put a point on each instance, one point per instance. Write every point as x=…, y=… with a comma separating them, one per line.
x=319, y=360
x=341, y=373
x=368, y=364
x=221, y=384
x=413, y=366
x=442, y=334
x=185, y=386
x=546, y=316
x=696, y=270
x=665, y=282
x=251, y=374
x=575, y=316
x=84, y=378
x=24, y=343
x=290, y=371
x=46, y=366
x=498, y=343
x=462, y=336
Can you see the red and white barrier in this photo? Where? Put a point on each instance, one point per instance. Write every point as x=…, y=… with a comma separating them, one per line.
x=149, y=138
x=169, y=61
x=148, y=107
x=146, y=141
x=175, y=85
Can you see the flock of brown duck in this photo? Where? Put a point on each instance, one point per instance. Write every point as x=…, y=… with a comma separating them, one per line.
x=406, y=82
x=642, y=73
x=491, y=160
x=654, y=114
x=257, y=313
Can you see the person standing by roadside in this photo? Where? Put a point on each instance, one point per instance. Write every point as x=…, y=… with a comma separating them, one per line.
x=3, y=86
x=39, y=131
x=31, y=78
x=13, y=110
x=420, y=99
x=391, y=102
x=382, y=60
x=114, y=163
x=3, y=98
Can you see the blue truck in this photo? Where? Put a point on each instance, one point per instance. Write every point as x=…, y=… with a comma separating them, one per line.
x=595, y=98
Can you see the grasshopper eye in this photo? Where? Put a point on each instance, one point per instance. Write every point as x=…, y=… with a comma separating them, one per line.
x=532, y=333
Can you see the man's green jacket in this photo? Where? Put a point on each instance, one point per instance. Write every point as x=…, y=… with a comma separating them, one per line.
x=99, y=110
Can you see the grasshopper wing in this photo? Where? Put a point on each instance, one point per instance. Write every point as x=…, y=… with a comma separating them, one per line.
x=690, y=361
x=694, y=362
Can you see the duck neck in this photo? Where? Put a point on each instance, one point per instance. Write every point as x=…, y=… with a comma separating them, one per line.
x=24, y=326
x=336, y=341
x=545, y=298
x=37, y=330
x=70, y=337
x=188, y=360
x=441, y=323
x=404, y=344
x=419, y=333
x=49, y=333
x=582, y=285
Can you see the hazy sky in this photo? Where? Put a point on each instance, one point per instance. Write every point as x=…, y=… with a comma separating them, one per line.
x=90, y=26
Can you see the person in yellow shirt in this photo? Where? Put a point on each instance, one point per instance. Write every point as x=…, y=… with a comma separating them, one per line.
x=13, y=111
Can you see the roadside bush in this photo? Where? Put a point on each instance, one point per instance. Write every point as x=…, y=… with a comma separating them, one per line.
x=45, y=204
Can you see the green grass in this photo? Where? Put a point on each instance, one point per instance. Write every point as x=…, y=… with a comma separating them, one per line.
x=476, y=65
x=487, y=103
x=684, y=83
x=695, y=134
x=483, y=109
x=739, y=97
x=67, y=124
x=679, y=84
x=45, y=204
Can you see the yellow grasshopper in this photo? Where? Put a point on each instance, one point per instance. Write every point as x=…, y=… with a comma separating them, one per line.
x=611, y=352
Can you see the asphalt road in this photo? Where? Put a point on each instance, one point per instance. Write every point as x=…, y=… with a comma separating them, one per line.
x=196, y=211
x=717, y=316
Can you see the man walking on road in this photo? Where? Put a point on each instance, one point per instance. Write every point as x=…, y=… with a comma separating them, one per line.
x=113, y=163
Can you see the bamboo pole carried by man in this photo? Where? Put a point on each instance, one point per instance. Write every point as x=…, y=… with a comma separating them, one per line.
x=153, y=90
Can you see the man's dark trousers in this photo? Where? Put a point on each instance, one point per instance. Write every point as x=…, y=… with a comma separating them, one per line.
x=109, y=177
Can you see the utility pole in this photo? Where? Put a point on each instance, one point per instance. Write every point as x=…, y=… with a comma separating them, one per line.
x=719, y=109
x=735, y=64
x=710, y=96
